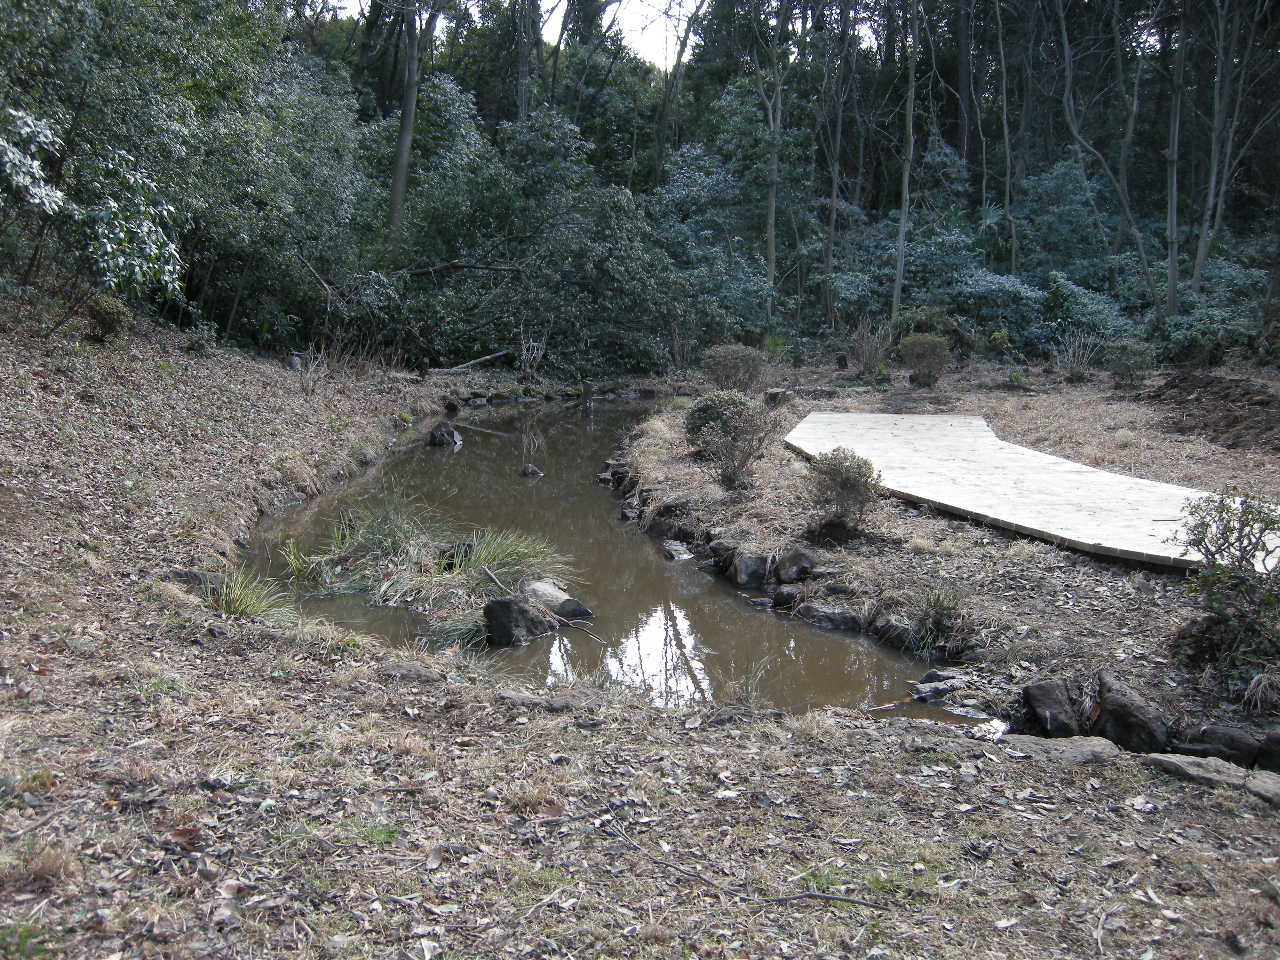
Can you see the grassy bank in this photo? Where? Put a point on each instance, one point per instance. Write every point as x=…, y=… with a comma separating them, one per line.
x=179, y=782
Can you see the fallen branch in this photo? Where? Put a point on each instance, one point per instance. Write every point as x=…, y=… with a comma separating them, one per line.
x=617, y=831
x=472, y=363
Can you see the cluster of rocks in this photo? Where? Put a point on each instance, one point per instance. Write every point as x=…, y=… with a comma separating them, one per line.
x=1215, y=754
x=793, y=581
x=539, y=609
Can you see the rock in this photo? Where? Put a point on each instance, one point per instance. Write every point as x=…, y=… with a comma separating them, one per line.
x=817, y=393
x=1264, y=784
x=478, y=401
x=936, y=691
x=1127, y=718
x=202, y=580
x=839, y=589
x=722, y=552
x=1226, y=743
x=1049, y=705
x=935, y=676
x=675, y=550
x=842, y=361
x=786, y=596
x=629, y=510
x=894, y=629
x=409, y=670
x=751, y=570
x=776, y=396
x=529, y=470
x=1207, y=771
x=512, y=621
x=551, y=596
x=452, y=407
x=1269, y=750
x=830, y=617
x=1069, y=750
x=443, y=434
x=795, y=565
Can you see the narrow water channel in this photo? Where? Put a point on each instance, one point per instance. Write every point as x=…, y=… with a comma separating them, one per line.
x=669, y=628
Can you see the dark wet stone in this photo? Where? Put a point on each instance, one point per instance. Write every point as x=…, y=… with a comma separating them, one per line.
x=1127, y=718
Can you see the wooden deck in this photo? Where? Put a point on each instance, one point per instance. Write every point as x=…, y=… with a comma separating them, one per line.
x=959, y=465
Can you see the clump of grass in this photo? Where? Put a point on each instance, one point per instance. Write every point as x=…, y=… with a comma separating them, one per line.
x=415, y=560
x=940, y=622
x=241, y=593
x=459, y=631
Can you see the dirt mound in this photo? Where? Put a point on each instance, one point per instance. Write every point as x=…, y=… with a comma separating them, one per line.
x=1234, y=413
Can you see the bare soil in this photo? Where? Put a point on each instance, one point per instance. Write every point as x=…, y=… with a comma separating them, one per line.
x=1232, y=412
x=180, y=784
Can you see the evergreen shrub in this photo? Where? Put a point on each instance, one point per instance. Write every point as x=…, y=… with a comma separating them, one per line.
x=927, y=354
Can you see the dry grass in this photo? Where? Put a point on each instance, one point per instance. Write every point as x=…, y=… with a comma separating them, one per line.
x=280, y=792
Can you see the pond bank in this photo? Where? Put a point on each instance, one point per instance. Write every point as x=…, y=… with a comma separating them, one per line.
x=1055, y=641
x=179, y=783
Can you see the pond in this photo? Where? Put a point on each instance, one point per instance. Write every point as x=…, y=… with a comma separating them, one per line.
x=669, y=628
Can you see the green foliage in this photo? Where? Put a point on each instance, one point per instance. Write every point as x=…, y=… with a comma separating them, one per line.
x=1235, y=538
x=717, y=407
x=732, y=366
x=927, y=354
x=203, y=338
x=107, y=315
x=845, y=485
x=241, y=593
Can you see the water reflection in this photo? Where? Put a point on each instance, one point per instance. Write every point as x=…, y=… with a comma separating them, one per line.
x=668, y=628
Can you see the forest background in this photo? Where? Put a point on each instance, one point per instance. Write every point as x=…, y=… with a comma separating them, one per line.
x=430, y=181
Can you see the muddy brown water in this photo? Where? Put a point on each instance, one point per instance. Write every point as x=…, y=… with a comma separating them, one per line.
x=670, y=629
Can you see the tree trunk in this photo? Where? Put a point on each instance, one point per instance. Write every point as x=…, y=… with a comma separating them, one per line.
x=964, y=72
x=1172, y=307
x=408, y=111
x=1008, y=144
x=671, y=93
x=835, y=150
x=908, y=149
x=1122, y=192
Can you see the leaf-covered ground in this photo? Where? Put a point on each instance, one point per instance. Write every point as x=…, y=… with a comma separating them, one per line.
x=178, y=784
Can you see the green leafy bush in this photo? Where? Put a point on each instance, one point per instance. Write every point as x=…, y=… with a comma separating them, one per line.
x=927, y=354
x=732, y=441
x=733, y=366
x=1236, y=538
x=845, y=484
x=717, y=407
x=108, y=315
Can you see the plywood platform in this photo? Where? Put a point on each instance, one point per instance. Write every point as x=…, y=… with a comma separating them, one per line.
x=959, y=465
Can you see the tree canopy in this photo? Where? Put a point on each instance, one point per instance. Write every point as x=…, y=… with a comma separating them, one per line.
x=437, y=180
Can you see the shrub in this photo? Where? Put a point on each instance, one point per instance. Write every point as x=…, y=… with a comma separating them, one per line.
x=203, y=337
x=1129, y=362
x=716, y=407
x=844, y=483
x=108, y=315
x=927, y=354
x=732, y=366
x=732, y=441
x=869, y=344
x=1236, y=538
x=1077, y=353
